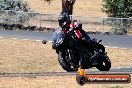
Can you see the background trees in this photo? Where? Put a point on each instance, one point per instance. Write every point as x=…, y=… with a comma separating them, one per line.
x=16, y=5
x=13, y=11
x=118, y=8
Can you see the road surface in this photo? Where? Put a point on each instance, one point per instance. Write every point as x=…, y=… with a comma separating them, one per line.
x=120, y=41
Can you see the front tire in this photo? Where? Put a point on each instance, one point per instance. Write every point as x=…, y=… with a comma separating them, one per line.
x=62, y=58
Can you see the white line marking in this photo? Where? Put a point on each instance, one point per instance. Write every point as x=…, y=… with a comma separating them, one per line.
x=115, y=47
x=128, y=67
x=1, y=37
x=14, y=38
x=50, y=41
x=25, y=39
x=38, y=40
x=120, y=67
x=111, y=47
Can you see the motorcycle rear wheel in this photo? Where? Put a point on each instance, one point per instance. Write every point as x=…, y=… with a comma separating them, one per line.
x=104, y=64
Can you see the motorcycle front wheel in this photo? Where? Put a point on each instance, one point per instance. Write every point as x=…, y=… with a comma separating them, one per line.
x=63, y=60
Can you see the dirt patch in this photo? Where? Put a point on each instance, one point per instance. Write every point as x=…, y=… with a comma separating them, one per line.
x=32, y=56
x=120, y=57
x=91, y=8
x=53, y=82
x=26, y=56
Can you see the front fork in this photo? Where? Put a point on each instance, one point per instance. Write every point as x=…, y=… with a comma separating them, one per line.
x=71, y=60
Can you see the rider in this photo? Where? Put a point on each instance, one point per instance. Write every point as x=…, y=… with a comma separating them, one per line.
x=66, y=25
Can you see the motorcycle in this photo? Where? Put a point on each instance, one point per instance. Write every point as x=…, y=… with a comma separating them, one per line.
x=71, y=54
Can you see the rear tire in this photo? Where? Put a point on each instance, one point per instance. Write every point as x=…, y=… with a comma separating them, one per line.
x=104, y=64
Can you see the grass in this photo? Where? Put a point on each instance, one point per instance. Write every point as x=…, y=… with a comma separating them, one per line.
x=25, y=56
x=31, y=56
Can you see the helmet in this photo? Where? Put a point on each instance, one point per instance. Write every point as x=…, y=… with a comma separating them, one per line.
x=63, y=19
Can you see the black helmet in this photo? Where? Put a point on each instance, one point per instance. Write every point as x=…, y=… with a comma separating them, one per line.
x=63, y=18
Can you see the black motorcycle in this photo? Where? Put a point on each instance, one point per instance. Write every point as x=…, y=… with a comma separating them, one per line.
x=71, y=54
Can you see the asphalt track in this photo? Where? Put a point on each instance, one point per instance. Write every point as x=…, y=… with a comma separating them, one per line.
x=120, y=41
